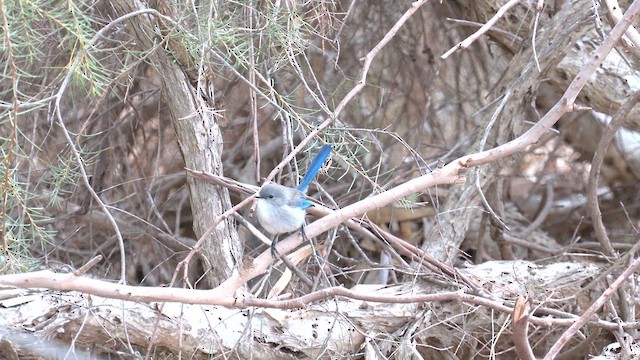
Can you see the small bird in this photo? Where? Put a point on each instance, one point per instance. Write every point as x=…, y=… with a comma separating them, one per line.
x=282, y=209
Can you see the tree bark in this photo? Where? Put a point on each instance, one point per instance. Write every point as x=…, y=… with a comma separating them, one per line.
x=196, y=123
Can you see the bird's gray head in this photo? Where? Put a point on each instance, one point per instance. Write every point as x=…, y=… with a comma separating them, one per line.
x=281, y=209
x=275, y=194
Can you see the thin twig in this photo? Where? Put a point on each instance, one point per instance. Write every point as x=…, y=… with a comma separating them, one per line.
x=475, y=36
x=86, y=267
x=512, y=37
x=632, y=39
x=483, y=142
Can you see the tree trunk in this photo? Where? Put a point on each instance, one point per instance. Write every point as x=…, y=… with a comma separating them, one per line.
x=196, y=123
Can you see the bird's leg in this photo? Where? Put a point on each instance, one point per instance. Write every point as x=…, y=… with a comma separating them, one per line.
x=274, y=253
x=303, y=234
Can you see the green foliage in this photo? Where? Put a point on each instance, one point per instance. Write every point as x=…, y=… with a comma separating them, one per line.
x=232, y=28
x=34, y=27
x=22, y=221
x=270, y=39
x=40, y=38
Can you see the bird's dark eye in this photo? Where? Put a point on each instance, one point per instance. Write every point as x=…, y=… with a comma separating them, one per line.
x=271, y=196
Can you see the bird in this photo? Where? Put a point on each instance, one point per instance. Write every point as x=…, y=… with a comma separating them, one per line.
x=282, y=209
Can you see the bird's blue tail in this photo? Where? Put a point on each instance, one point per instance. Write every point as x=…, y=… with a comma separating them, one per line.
x=315, y=165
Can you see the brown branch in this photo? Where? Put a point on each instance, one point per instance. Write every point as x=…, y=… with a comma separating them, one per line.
x=486, y=27
x=510, y=37
x=581, y=350
x=422, y=257
x=632, y=40
x=592, y=197
x=185, y=263
x=86, y=267
x=520, y=323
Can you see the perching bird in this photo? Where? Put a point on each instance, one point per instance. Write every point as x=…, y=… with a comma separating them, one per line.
x=281, y=209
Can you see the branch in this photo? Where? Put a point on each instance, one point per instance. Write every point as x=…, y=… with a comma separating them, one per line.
x=486, y=27
x=520, y=323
